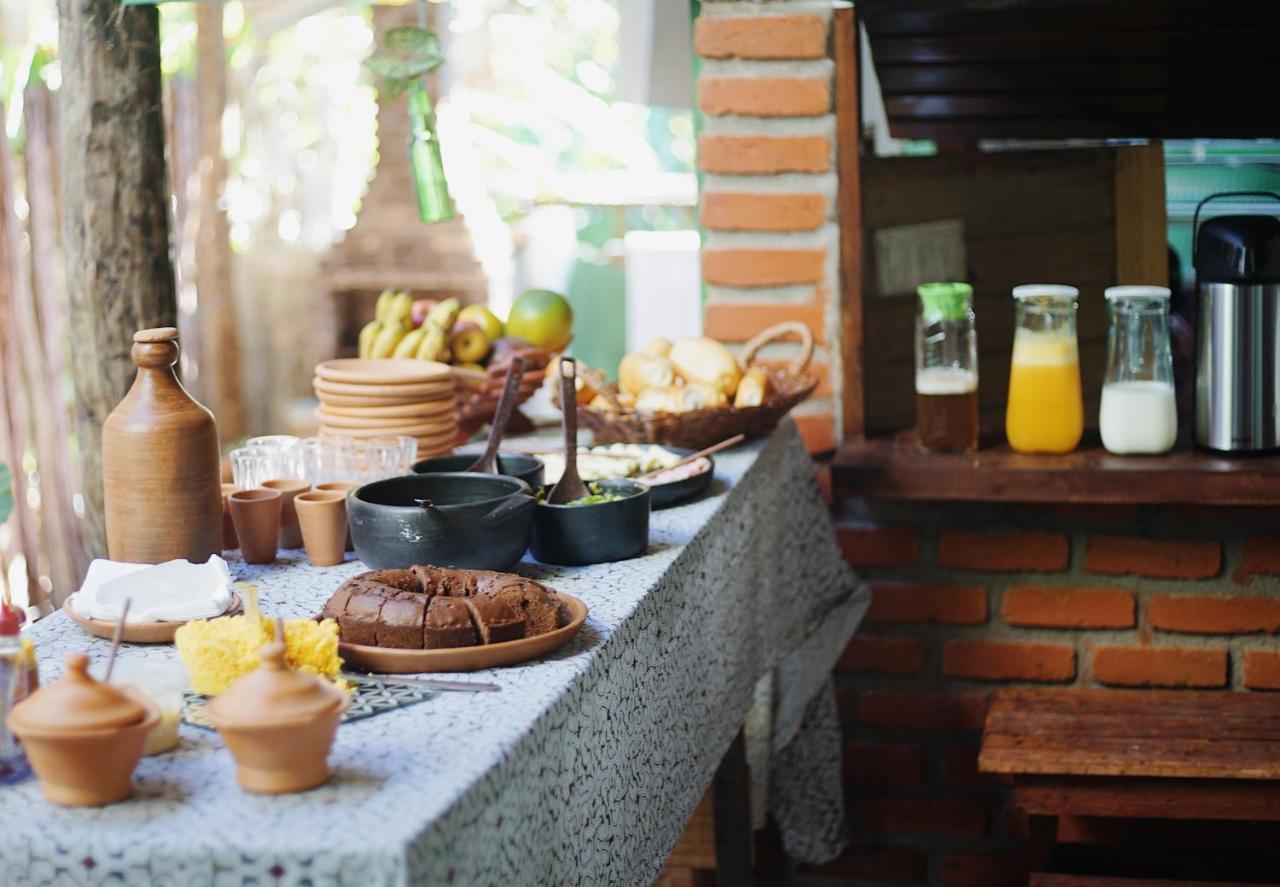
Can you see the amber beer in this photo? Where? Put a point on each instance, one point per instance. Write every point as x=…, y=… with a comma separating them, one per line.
x=947, y=408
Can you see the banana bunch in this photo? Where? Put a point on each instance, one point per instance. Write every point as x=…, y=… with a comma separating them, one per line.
x=392, y=323
x=392, y=333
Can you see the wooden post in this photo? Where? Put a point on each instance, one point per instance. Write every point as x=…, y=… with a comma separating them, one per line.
x=216, y=309
x=1142, y=242
x=115, y=212
x=844, y=40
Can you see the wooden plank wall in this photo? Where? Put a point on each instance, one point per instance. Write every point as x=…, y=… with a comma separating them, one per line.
x=1029, y=217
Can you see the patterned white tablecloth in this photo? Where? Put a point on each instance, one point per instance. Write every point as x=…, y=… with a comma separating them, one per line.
x=582, y=770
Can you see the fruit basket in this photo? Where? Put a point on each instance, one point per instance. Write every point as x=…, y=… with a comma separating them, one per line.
x=695, y=429
x=477, y=391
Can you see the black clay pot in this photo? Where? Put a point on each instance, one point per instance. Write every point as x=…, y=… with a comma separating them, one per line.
x=574, y=535
x=527, y=468
x=455, y=519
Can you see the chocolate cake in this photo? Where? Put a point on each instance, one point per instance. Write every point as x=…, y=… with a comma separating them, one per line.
x=336, y=606
x=359, y=622
x=438, y=607
x=448, y=624
x=494, y=619
x=535, y=602
x=400, y=623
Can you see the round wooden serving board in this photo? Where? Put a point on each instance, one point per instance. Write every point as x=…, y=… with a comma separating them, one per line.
x=139, y=632
x=388, y=660
x=382, y=371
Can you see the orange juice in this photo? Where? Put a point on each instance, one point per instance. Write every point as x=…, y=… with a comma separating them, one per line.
x=1045, y=413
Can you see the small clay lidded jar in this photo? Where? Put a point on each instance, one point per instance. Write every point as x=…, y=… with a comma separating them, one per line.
x=279, y=725
x=83, y=737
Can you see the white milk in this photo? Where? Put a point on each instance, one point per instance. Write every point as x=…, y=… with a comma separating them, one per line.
x=1138, y=417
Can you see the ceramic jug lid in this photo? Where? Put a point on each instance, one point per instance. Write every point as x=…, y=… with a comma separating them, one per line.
x=273, y=693
x=76, y=701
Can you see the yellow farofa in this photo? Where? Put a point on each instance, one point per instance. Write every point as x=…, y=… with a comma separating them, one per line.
x=219, y=652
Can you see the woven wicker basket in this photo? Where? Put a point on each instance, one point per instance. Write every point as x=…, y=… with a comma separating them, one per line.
x=478, y=392
x=702, y=428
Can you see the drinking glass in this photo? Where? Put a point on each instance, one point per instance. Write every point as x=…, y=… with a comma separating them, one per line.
x=250, y=466
x=326, y=458
x=282, y=460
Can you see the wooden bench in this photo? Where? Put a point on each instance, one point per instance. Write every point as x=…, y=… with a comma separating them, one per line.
x=1091, y=760
x=1043, y=880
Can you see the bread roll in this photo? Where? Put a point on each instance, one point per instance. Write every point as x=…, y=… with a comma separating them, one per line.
x=639, y=371
x=674, y=399
x=753, y=390
x=657, y=348
x=706, y=362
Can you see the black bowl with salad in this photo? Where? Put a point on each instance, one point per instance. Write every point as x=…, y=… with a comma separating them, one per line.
x=610, y=523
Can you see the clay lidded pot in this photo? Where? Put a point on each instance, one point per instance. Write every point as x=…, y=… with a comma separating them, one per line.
x=279, y=725
x=83, y=737
x=344, y=486
x=161, y=473
x=229, y=540
x=289, y=488
x=256, y=515
x=322, y=516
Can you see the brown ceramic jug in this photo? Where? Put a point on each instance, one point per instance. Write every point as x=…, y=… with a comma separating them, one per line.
x=162, y=482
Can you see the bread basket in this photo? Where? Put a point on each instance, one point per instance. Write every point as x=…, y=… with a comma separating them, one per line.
x=696, y=429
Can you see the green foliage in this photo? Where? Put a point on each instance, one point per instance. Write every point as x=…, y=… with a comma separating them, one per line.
x=6, y=493
x=407, y=54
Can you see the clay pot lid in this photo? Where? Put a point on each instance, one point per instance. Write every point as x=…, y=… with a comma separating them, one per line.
x=273, y=693
x=76, y=701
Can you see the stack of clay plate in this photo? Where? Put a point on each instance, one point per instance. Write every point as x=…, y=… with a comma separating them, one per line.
x=366, y=398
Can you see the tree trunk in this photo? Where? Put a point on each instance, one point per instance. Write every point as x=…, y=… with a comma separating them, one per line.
x=115, y=212
x=216, y=309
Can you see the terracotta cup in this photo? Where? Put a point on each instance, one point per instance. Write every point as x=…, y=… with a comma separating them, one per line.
x=256, y=514
x=229, y=540
x=322, y=515
x=289, y=488
x=343, y=486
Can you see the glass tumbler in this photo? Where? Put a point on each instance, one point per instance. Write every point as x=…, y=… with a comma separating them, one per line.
x=1045, y=413
x=1139, y=411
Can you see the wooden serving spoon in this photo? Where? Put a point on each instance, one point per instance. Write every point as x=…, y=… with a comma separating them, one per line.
x=694, y=457
x=570, y=485
x=488, y=461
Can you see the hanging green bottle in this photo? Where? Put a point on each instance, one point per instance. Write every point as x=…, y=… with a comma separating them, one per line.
x=434, y=201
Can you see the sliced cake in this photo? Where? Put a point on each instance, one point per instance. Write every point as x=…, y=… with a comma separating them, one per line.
x=448, y=624
x=400, y=623
x=495, y=620
x=336, y=606
x=538, y=604
x=359, y=621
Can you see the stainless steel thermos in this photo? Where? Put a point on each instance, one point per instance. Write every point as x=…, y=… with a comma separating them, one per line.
x=1237, y=260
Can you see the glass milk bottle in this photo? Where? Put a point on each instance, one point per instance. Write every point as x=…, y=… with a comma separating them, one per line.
x=1045, y=413
x=1139, y=410
x=946, y=368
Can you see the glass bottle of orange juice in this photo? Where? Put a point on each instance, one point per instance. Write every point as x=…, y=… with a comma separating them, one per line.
x=1045, y=413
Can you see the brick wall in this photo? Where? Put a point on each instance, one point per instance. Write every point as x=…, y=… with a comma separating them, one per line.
x=969, y=597
x=767, y=157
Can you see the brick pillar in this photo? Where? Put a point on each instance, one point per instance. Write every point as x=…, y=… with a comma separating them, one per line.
x=770, y=249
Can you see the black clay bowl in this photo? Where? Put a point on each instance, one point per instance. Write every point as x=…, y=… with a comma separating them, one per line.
x=454, y=519
x=574, y=535
x=675, y=492
x=527, y=468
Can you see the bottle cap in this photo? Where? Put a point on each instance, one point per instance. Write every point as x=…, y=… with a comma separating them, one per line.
x=1045, y=291
x=1137, y=292
x=944, y=301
